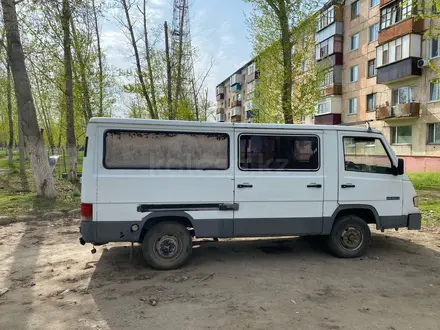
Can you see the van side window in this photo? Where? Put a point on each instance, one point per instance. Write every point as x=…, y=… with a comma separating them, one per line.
x=279, y=153
x=366, y=155
x=165, y=150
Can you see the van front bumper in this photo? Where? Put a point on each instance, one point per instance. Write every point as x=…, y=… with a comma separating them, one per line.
x=414, y=221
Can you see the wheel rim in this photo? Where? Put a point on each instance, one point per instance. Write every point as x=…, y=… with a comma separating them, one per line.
x=168, y=247
x=352, y=238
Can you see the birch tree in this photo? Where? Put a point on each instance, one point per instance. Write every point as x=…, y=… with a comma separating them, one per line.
x=33, y=137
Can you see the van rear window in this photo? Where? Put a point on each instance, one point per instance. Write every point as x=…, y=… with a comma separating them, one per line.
x=279, y=153
x=165, y=150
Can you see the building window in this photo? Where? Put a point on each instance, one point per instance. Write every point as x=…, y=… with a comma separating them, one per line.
x=401, y=134
x=373, y=32
x=374, y=3
x=434, y=90
x=323, y=108
x=435, y=9
x=352, y=106
x=304, y=66
x=251, y=69
x=395, y=13
x=435, y=47
x=434, y=133
x=326, y=18
x=354, y=73
x=278, y=153
x=355, y=10
x=371, y=102
x=402, y=95
x=372, y=71
x=385, y=58
x=328, y=79
x=323, y=49
x=250, y=87
x=363, y=154
x=354, y=41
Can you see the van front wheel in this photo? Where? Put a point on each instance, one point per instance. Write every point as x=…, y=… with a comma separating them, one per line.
x=167, y=245
x=350, y=237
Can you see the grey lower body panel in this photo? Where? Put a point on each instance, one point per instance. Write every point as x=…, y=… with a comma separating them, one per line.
x=122, y=231
x=412, y=221
x=110, y=231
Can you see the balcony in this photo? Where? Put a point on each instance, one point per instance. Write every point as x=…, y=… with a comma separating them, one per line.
x=236, y=104
x=221, y=111
x=220, y=117
x=398, y=111
x=396, y=71
x=235, y=111
x=336, y=28
x=399, y=29
x=335, y=89
x=220, y=90
x=236, y=88
x=251, y=77
x=236, y=78
x=328, y=119
x=220, y=97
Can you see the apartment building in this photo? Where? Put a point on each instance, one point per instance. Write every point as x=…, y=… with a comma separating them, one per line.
x=380, y=70
x=234, y=95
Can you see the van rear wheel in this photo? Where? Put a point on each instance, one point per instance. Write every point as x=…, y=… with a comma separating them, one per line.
x=350, y=237
x=167, y=245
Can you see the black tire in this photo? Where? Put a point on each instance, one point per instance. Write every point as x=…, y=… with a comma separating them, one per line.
x=350, y=237
x=167, y=245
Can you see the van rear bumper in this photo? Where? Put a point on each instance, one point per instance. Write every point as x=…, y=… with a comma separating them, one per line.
x=411, y=221
x=88, y=231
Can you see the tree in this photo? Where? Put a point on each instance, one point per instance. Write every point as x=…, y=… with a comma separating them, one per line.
x=28, y=117
x=129, y=26
x=276, y=26
x=101, y=73
x=70, y=122
x=429, y=10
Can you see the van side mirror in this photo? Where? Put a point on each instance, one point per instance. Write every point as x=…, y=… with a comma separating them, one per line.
x=400, y=169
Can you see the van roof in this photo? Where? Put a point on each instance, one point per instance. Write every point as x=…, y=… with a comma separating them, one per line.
x=181, y=123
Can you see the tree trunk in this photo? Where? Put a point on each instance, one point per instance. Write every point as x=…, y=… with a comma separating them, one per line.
x=10, y=119
x=44, y=114
x=101, y=78
x=171, y=116
x=70, y=123
x=21, y=147
x=180, y=58
x=286, y=43
x=39, y=161
x=148, y=56
x=153, y=115
x=82, y=73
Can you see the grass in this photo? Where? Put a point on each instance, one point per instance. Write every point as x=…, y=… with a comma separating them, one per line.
x=428, y=190
x=17, y=196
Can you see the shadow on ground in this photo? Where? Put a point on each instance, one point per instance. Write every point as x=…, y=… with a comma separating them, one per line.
x=251, y=274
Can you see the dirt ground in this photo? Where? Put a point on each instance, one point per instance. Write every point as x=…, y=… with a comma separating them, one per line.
x=55, y=283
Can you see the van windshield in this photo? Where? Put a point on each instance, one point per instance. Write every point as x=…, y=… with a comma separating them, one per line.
x=366, y=155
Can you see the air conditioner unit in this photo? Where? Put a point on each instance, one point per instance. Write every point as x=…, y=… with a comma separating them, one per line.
x=422, y=63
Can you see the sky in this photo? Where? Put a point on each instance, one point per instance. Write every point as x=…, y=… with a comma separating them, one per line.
x=218, y=30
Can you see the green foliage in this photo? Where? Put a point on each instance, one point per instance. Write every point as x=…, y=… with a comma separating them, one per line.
x=265, y=30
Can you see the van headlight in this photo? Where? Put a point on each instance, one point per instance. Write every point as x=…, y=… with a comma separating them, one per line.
x=416, y=201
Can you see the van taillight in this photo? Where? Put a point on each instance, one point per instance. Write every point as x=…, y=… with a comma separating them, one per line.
x=87, y=210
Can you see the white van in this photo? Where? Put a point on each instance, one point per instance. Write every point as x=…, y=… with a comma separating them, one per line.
x=161, y=183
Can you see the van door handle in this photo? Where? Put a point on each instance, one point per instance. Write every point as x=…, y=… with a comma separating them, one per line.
x=244, y=185
x=314, y=185
x=348, y=185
